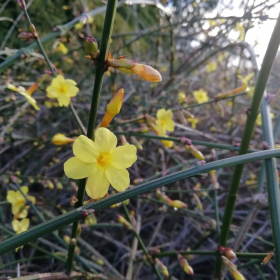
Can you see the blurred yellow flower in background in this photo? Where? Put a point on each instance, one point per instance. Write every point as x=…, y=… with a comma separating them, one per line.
x=18, y=201
x=164, y=121
x=201, y=96
x=20, y=226
x=63, y=90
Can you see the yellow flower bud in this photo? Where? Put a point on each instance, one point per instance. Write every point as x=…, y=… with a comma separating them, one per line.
x=113, y=108
x=197, y=202
x=61, y=139
x=195, y=152
x=124, y=222
x=178, y=204
x=237, y=275
x=268, y=257
x=162, y=268
x=146, y=72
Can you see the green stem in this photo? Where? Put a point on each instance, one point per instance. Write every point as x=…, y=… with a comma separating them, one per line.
x=141, y=243
x=79, y=213
x=249, y=127
x=177, y=140
x=106, y=36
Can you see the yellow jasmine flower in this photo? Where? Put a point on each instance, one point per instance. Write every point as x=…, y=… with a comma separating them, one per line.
x=164, y=121
x=201, y=96
x=61, y=47
x=25, y=93
x=193, y=121
x=181, y=97
x=20, y=226
x=102, y=162
x=259, y=119
x=211, y=67
x=63, y=90
x=18, y=201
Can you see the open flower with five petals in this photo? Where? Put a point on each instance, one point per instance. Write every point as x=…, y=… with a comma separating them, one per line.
x=102, y=162
x=63, y=90
x=164, y=121
x=18, y=202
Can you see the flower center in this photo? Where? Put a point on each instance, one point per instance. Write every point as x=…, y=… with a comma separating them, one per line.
x=104, y=159
x=63, y=89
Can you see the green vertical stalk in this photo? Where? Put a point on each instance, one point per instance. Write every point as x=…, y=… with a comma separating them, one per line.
x=100, y=69
x=141, y=243
x=249, y=127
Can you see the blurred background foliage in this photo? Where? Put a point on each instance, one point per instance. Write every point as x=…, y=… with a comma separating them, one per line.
x=194, y=46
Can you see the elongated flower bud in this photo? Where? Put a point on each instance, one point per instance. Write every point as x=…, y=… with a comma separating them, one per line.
x=197, y=201
x=61, y=139
x=185, y=265
x=124, y=222
x=178, y=204
x=195, y=152
x=113, y=108
x=22, y=4
x=136, y=143
x=268, y=257
x=146, y=72
x=162, y=268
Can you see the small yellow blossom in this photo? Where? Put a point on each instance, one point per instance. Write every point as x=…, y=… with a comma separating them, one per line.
x=61, y=139
x=193, y=121
x=164, y=121
x=20, y=226
x=113, y=108
x=259, y=119
x=211, y=67
x=18, y=201
x=166, y=143
x=63, y=90
x=102, y=162
x=61, y=48
x=181, y=97
x=25, y=93
x=201, y=96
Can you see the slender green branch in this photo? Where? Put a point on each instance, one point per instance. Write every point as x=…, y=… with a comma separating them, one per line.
x=249, y=127
x=177, y=140
x=79, y=213
x=100, y=68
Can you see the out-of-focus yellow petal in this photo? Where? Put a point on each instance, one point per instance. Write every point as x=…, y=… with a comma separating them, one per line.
x=58, y=81
x=119, y=178
x=77, y=169
x=63, y=100
x=24, y=189
x=11, y=196
x=52, y=92
x=97, y=185
x=85, y=149
x=105, y=139
x=70, y=82
x=161, y=113
x=23, y=213
x=167, y=144
x=169, y=125
x=25, y=224
x=15, y=224
x=124, y=156
x=32, y=199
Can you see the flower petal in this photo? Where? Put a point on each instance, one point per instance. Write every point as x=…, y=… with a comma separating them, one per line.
x=72, y=91
x=124, y=156
x=119, y=178
x=15, y=224
x=63, y=100
x=77, y=169
x=25, y=224
x=24, y=189
x=169, y=125
x=52, y=92
x=97, y=184
x=85, y=149
x=70, y=82
x=11, y=196
x=58, y=81
x=105, y=139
